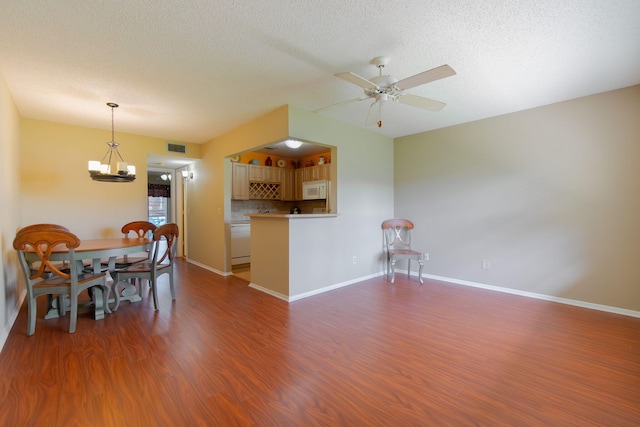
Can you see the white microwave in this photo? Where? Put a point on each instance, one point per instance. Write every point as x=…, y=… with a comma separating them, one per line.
x=314, y=190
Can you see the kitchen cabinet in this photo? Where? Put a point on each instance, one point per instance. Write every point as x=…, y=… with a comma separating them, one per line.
x=287, y=185
x=264, y=174
x=273, y=183
x=315, y=173
x=324, y=171
x=240, y=181
x=297, y=184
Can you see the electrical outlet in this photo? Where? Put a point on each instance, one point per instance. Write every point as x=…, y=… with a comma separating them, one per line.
x=426, y=256
x=355, y=259
x=486, y=264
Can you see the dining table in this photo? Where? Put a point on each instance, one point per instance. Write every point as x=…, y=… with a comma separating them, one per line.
x=98, y=250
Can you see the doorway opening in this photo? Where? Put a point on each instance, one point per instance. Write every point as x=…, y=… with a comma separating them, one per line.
x=159, y=199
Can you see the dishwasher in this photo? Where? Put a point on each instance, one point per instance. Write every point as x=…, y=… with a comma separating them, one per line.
x=240, y=244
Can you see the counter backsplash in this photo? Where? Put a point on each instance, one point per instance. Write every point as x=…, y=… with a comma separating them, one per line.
x=241, y=207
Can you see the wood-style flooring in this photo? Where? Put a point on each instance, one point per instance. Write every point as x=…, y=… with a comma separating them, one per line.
x=369, y=354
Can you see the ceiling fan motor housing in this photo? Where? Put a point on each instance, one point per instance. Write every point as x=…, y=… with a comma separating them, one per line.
x=385, y=86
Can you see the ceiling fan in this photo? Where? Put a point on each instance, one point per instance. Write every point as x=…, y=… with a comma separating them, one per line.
x=384, y=88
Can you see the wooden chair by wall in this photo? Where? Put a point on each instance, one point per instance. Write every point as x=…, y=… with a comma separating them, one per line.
x=160, y=262
x=397, y=242
x=49, y=279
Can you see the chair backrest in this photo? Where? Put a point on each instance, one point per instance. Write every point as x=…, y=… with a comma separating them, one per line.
x=41, y=227
x=141, y=228
x=397, y=234
x=164, y=254
x=41, y=241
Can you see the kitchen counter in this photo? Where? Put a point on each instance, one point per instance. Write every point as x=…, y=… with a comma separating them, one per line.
x=291, y=216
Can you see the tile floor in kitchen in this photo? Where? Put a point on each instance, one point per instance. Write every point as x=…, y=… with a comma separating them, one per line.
x=243, y=271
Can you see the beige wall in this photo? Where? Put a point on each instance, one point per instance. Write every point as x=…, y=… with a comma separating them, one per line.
x=551, y=196
x=11, y=287
x=209, y=194
x=322, y=249
x=55, y=184
x=322, y=255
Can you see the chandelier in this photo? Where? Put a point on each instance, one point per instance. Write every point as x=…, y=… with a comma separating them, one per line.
x=112, y=168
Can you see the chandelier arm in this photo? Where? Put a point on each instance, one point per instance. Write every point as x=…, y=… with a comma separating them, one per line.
x=118, y=153
x=108, y=153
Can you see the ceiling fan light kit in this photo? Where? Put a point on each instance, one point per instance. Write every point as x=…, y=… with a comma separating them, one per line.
x=293, y=143
x=383, y=88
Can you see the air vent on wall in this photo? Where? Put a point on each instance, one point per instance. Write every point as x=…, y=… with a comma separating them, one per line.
x=173, y=147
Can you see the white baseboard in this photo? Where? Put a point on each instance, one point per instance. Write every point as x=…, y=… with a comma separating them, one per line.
x=310, y=293
x=331, y=287
x=269, y=291
x=12, y=319
x=206, y=267
x=601, y=307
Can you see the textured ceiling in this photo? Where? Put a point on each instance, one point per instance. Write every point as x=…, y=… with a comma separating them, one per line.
x=192, y=70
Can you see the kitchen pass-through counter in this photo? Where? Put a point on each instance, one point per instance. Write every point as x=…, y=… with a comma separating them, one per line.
x=281, y=251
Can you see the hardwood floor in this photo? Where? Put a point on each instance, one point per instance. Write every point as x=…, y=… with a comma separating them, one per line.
x=370, y=354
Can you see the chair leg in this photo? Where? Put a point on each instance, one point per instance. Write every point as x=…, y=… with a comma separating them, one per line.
x=31, y=321
x=74, y=313
x=154, y=291
x=421, y=262
x=173, y=291
x=393, y=270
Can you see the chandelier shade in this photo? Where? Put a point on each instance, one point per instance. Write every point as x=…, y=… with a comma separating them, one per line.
x=112, y=167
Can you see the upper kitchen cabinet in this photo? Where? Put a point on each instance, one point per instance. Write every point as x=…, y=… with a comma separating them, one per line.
x=288, y=188
x=264, y=174
x=240, y=181
x=298, y=178
x=315, y=173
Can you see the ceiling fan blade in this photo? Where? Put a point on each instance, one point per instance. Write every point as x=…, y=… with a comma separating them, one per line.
x=357, y=80
x=349, y=101
x=373, y=116
x=425, y=77
x=420, y=102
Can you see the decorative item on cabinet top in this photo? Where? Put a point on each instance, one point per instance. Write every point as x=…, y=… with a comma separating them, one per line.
x=235, y=158
x=281, y=163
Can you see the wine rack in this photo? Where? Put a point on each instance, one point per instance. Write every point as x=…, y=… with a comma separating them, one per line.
x=264, y=191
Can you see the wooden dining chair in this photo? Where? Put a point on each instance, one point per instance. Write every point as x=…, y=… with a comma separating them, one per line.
x=397, y=243
x=52, y=303
x=48, y=279
x=165, y=239
x=140, y=229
